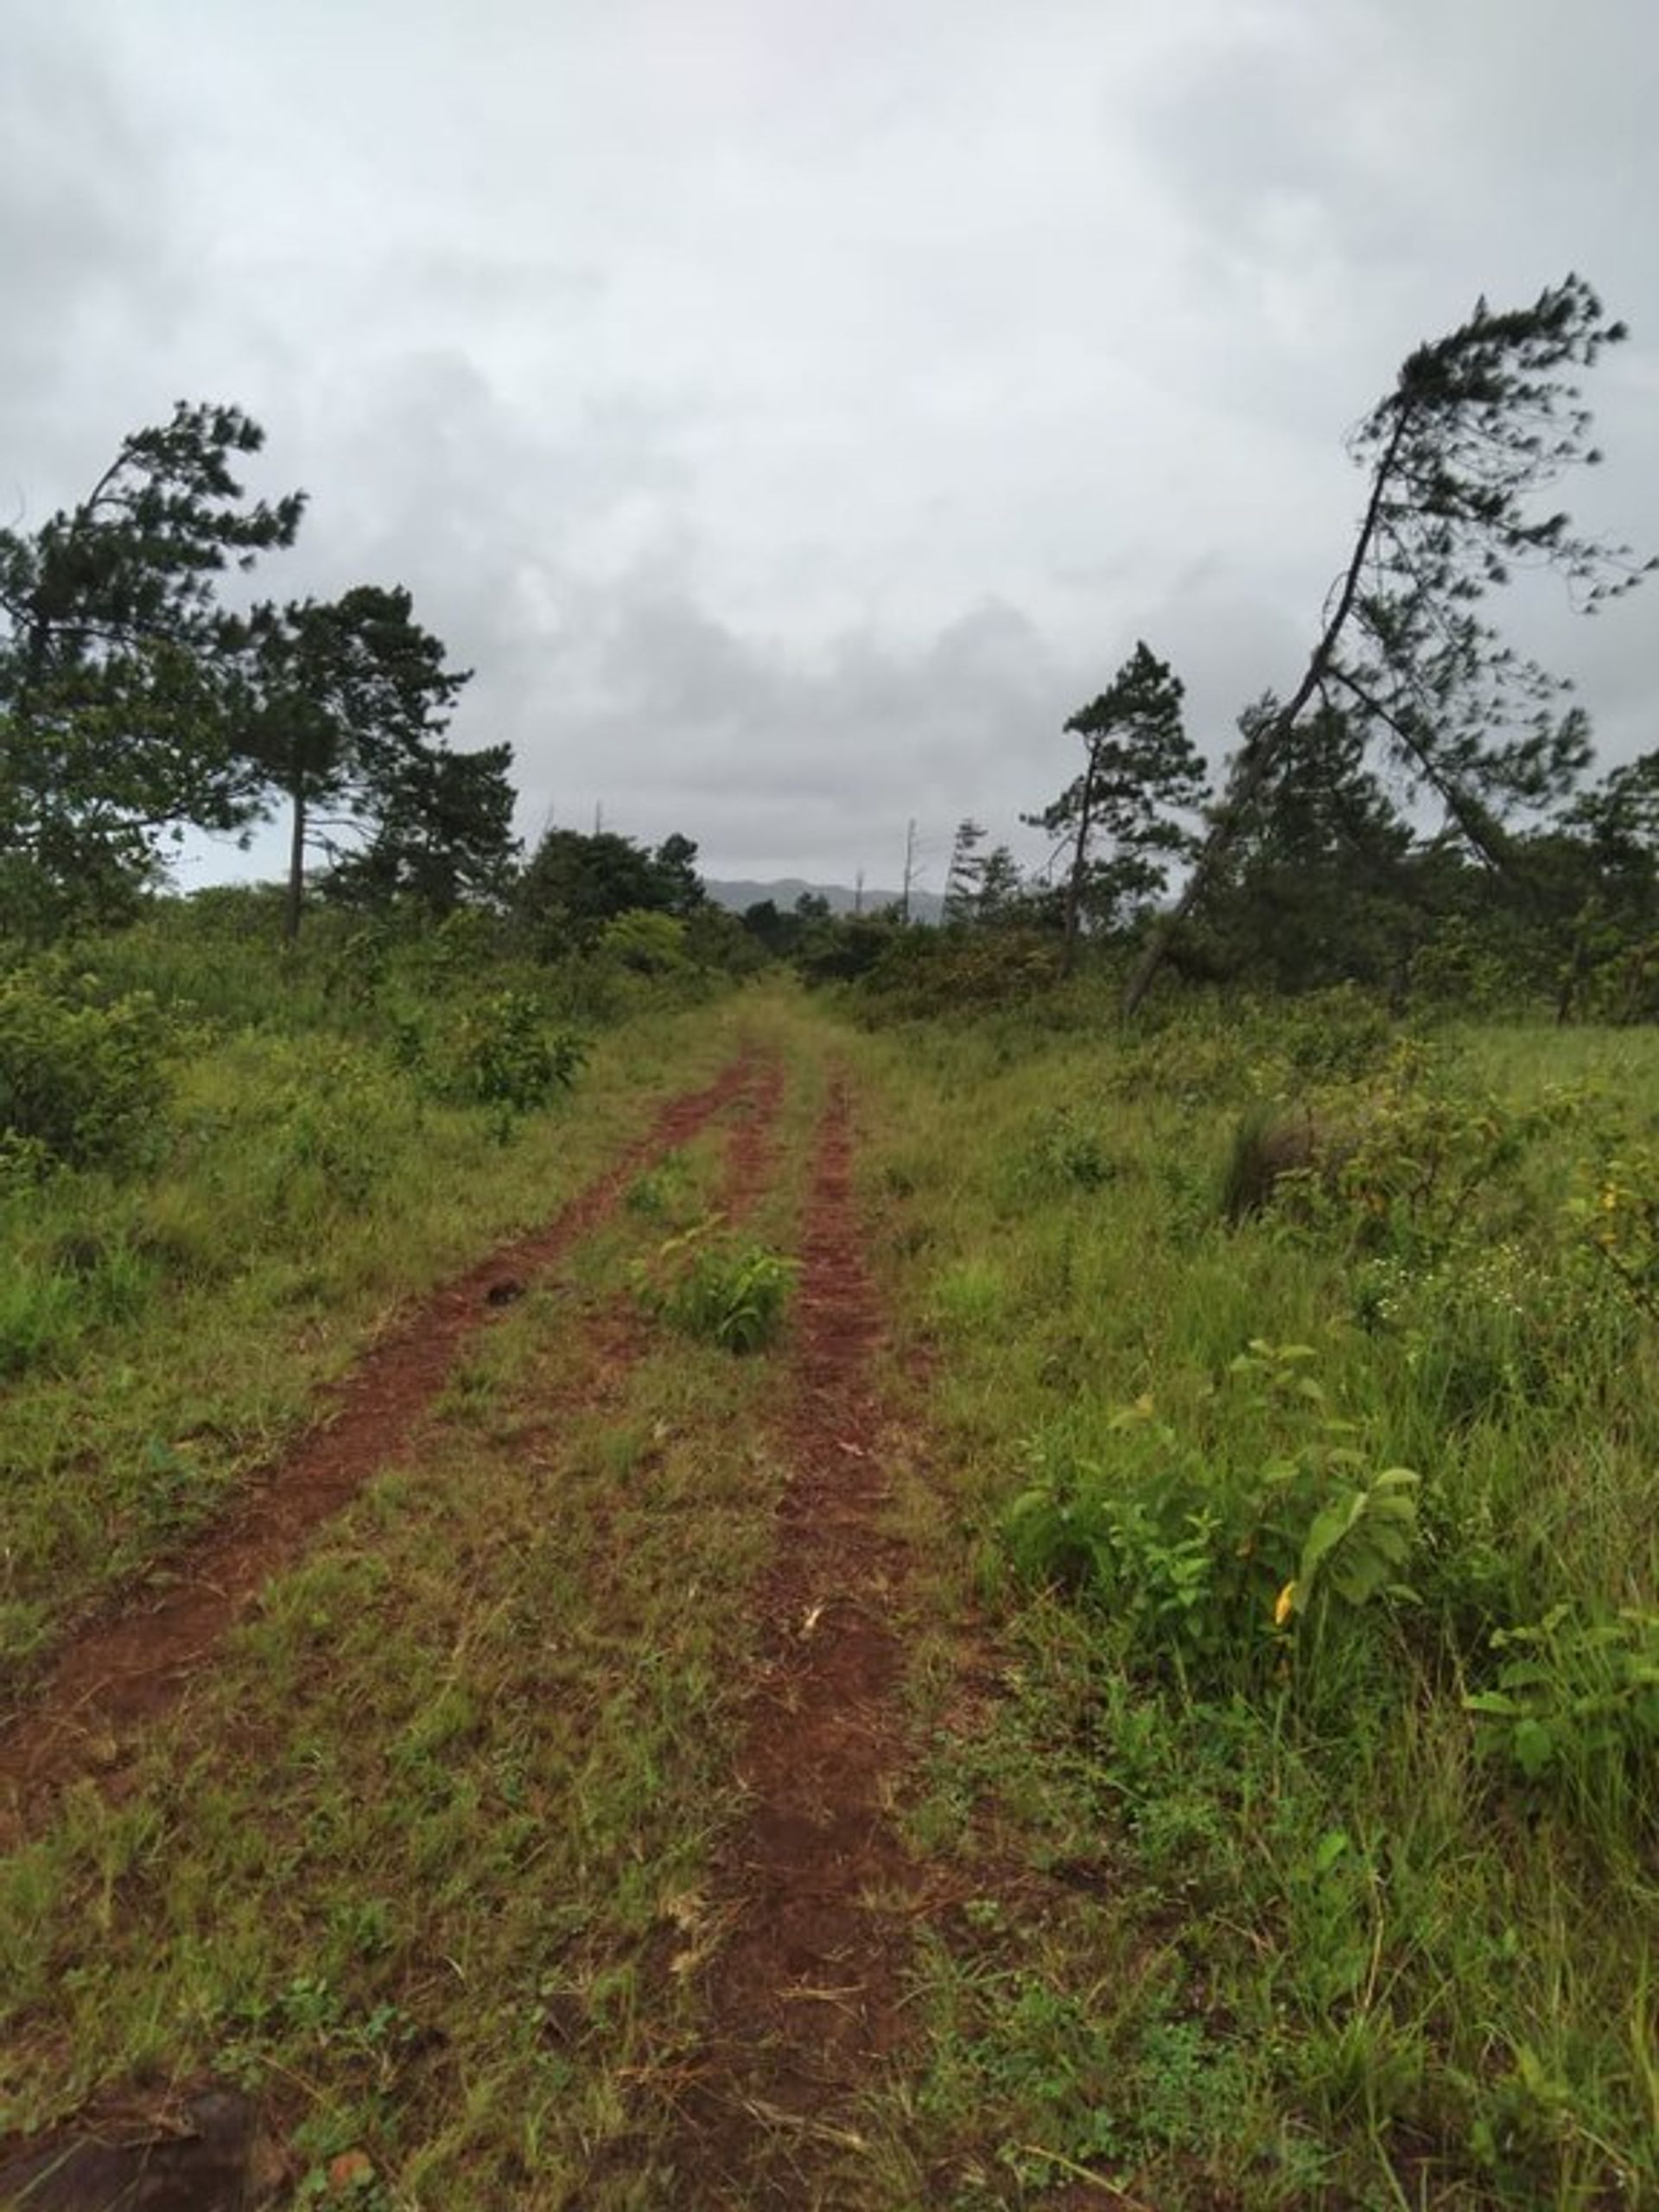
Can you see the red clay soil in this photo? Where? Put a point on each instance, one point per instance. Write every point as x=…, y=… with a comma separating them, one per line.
x=131, y=1661
x=804, y=1999
x=750, y=1152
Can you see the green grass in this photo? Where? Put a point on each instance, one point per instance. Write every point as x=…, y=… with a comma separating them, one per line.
x=425, y=1858
x=1274, y=1918
x=171, y=1332
x=1224, y=1911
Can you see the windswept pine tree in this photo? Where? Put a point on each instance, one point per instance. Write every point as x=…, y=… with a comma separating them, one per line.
x=118, y=720
x=1478, y=424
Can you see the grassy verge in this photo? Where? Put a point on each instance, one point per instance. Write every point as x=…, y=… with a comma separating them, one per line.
x=1285, y=1875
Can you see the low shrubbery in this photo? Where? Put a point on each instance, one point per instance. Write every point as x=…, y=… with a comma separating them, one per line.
x=1307, y=1373
x=83, y=1079
x=1222, y=1558
x=709, y=1285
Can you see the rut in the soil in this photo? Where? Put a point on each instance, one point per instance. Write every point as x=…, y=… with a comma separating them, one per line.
x=131, y=1661
x=804, y=1999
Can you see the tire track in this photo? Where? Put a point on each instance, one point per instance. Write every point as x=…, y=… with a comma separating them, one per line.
x=131, y=1662
x=805, y=1999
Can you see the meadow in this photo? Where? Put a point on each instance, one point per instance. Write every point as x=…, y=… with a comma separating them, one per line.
x=1271, y=1400
x=1296, y=1379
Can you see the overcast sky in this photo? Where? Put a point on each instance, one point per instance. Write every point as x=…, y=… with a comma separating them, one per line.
x=794, y=409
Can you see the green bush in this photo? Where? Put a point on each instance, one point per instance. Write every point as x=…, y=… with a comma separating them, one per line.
x=512, y=1060
x=1221, y=1569
x=81, y=1084
x=727, y=1293
x=907, y=973
x=343, y=1122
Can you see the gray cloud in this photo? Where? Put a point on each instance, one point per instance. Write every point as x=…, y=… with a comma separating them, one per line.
x=793, y=415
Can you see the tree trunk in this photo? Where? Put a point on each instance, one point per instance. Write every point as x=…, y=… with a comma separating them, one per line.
x=1073, y=911
x=295, y=865
x=1259, y=757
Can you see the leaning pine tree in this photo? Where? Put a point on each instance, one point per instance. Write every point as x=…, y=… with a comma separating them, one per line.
x=1478, y=423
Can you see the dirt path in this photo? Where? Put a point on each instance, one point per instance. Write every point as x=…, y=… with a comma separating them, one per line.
x=804, y=1999
x=751, y=1157
x=131, y=1663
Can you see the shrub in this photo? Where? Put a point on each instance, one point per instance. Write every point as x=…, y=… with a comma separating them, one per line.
x=906, y=973
x=727, y=1293
x=1410, y=1162
x=512, y=1060
x=649, y=944
x=81, y=1084
x=1217, y=1568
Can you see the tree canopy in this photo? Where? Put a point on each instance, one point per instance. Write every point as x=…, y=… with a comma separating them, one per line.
x=1478, y=424
x=117, y=721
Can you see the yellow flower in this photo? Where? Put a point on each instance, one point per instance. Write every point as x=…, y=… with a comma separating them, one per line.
x=1286, y=1606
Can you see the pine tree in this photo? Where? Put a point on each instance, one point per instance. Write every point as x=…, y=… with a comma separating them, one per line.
x=117, y=725
x=1477, y=423
x=345, y=701
x=1141, y=774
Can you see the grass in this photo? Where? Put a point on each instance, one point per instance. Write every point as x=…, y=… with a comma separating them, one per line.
x=169, y=1333
x=1224, y=1913
x=1280, y=1922
x=426, y=1857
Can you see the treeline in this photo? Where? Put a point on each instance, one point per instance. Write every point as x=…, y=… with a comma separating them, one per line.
x=1412, y=816
x=1332, y=878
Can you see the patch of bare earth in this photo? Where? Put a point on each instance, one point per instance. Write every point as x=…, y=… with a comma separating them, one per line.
x=804, y=1996
x=130, y=1662
x=750, y=1152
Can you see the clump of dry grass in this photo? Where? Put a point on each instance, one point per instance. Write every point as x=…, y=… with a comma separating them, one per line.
x=1268, y=1143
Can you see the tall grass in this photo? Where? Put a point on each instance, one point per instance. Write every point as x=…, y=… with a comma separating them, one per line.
x=1388, y=1785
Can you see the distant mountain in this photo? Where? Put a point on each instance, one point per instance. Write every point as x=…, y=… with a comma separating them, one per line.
x=923, y=905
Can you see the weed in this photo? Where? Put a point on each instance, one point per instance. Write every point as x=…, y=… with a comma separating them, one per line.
x=1576, y=1699
x=661, y=1192
x=1203, y=1562
x=730, y=1294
